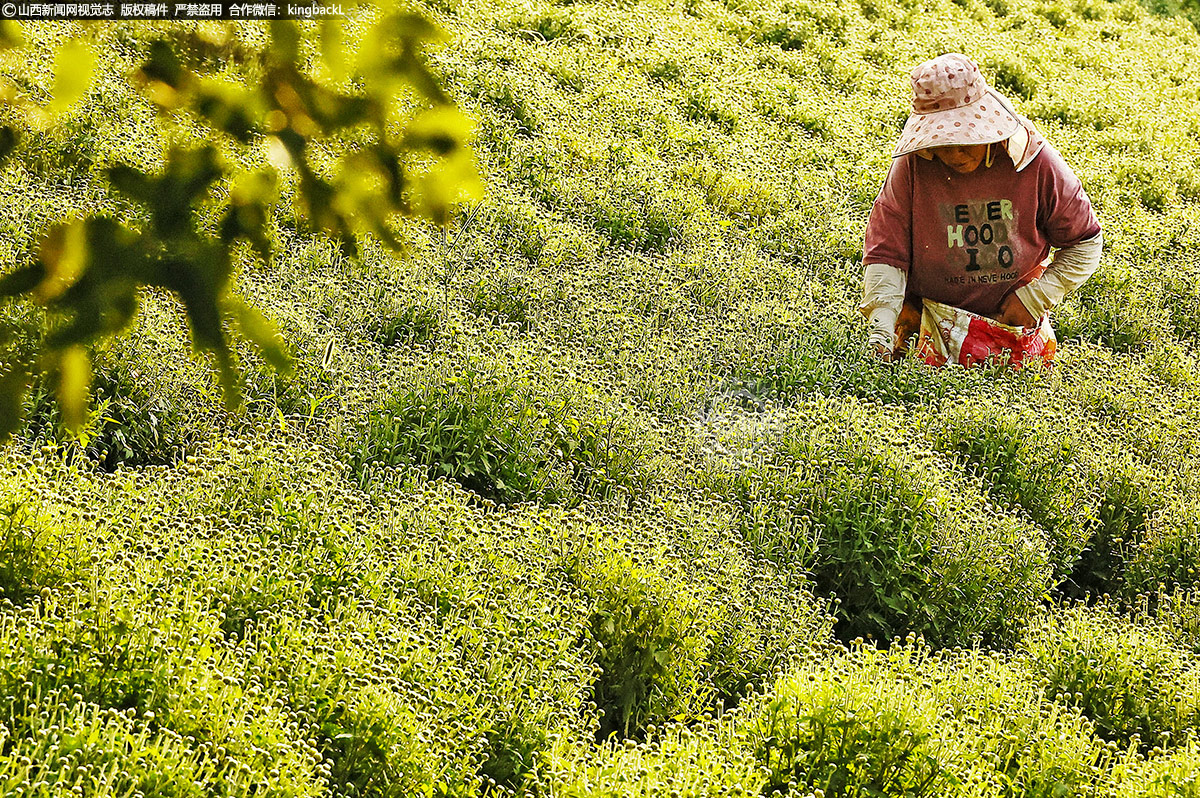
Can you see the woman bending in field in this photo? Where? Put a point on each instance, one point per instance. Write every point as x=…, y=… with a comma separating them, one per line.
x=959, y=240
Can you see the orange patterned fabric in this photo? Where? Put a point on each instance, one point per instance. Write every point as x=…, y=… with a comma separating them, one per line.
x=953, y=335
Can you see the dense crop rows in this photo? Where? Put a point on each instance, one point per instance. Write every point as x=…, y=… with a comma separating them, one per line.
x=597, y=491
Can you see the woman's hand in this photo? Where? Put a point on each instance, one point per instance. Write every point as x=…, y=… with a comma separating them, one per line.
x=907, y=324
x=1014, y=314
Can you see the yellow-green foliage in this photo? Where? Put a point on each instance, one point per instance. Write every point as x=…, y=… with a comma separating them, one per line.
x=1129, y=680
x=591, y=492
x=901, y=540
x=906, y=723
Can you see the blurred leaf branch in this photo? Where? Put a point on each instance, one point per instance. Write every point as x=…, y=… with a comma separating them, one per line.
x=409, y=156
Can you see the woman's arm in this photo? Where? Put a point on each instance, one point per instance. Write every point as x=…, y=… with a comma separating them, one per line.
x=888, y=241
x=1068, y=221
x=883, y=297
x=1071, y=268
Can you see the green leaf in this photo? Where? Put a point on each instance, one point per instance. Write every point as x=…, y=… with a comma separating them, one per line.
x=74, y=65
x=64, y=257
x=10, y=34
x=103, y=298
x=250, y=195
x=74, y=379
x=260, y=332
x=22, y=280
x=8, y=141
x=12, y=390
x=229, y=107
x=285, y=41
x=454, y=177
x=391, y=48
x=163, y=65
x=170, y=196
x=333, y=48
x=442, y=129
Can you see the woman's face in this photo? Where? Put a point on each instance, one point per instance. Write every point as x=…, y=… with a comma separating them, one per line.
x=962, y=159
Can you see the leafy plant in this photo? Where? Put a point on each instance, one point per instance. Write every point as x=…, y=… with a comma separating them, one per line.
x=1023, y=465
x=502, y=441
x=874, y=533
x=832, y=732
x=34, y=555
x=649, y=646
x=1132, y=683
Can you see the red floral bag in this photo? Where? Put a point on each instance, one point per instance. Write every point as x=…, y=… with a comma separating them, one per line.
x=953, y=335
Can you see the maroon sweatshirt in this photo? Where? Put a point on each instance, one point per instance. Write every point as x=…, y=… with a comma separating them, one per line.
x=968, y=240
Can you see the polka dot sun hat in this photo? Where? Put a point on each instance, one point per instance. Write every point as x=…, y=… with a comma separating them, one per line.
x=953, y=105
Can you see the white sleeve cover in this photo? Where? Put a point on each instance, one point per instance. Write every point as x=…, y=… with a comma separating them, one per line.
x=883, y=297
x=1071, y=268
